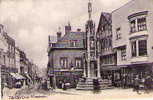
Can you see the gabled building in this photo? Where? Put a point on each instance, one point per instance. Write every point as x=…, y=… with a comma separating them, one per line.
x=106, y=52
x=65, y=57
x=133, y=38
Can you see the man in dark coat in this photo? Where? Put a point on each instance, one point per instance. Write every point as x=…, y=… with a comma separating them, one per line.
x=2, y=88
x=136, y=84
x=148, y=83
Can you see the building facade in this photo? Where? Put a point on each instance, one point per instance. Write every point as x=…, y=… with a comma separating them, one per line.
x=132, y=38
x=106, y=51
x=66, y=57
x=17, y=58
x=7, y=56
x=14, y=64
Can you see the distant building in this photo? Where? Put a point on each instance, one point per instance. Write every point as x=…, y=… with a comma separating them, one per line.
x=133, y=38
x=66, y=57
x=7, y=55
x=17, y=58
x=106, y=52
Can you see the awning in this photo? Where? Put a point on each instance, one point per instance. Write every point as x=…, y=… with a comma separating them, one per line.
x=17, y=76
x=109, y=68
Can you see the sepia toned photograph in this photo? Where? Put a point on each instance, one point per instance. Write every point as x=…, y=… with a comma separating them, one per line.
x=76, y=49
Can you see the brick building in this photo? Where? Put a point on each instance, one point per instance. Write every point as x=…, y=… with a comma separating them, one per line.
x=66, y=56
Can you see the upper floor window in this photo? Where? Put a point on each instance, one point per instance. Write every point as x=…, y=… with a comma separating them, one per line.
x=142, y=47
x=73, y=43
x=133, y=26
x=64, y=62
x=139, y=47
x=123, y=54
x=142, y=24
x=133, y=48
x=78, y=62
x=118, y=33
x=138, y=22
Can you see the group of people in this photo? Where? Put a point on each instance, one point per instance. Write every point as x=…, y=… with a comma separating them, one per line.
x=145, y=83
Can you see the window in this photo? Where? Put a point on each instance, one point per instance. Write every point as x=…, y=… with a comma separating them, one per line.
x=138, y=21
x=142, y=47
x=139, y=47
x=123, y=54
x=142, y=24
x=63, y=62
x=118, y=33
x=73, y=43
x=133, y=49
x=133, y=27
x=78, y=62
x=107, y=59
x=4, y=59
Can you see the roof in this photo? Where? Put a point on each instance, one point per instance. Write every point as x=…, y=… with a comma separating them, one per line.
x=65, y=41
x=107, y=17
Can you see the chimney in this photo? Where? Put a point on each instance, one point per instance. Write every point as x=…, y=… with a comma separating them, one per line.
x=59, y=34
x=68, y=28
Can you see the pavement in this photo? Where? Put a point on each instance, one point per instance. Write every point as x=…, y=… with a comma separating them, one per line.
x=72, y=94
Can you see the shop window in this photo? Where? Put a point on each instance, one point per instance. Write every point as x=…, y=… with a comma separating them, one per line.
x=142, y=47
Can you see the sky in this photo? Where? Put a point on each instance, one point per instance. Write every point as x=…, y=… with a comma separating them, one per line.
x=30, y=22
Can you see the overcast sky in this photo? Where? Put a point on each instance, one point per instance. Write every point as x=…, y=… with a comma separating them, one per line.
x=30, y=22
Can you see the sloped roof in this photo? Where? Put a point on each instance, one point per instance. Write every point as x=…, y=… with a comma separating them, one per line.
x=64, y=42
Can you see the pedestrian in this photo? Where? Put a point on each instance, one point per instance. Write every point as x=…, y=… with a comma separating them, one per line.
x=148, y=82
x=64, y=86
x=136, y=84
x=60, y=84
x=2, y=88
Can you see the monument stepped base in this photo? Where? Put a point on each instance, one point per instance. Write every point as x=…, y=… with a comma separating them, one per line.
x=88, y=84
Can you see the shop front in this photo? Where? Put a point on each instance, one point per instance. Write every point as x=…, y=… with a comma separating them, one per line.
x=71, y=77
x=129, y=72
x=112, y=74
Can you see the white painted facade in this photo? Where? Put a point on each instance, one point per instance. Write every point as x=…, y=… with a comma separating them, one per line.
x=120, y=20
